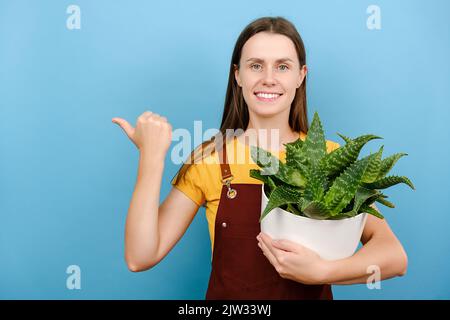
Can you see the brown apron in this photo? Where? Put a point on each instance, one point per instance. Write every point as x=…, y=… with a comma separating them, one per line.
x=239, y=268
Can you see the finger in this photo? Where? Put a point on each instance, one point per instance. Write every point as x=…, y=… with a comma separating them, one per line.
x=159, y=118
x=268, y=254
x=154, y=116
x=287, y=245
x=147, y=113
x=126, y=127
x=267, y=240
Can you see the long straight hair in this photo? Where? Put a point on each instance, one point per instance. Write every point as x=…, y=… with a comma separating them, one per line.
x=235, y=117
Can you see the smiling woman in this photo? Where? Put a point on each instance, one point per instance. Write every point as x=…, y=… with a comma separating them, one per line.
x=267, y=78
x=266, y=92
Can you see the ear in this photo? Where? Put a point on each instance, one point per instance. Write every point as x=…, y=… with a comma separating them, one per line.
x=303, y=72
x=236, y=75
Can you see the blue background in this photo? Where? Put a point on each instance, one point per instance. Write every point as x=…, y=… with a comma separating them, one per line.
x=67, y=172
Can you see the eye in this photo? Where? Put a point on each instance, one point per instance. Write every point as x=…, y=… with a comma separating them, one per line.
x=283, y=67
x=256, y=67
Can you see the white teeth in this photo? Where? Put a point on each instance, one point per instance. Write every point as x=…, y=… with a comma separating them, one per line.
x=267, y=95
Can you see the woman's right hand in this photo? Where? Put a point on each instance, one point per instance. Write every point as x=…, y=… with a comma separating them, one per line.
x=152, y=133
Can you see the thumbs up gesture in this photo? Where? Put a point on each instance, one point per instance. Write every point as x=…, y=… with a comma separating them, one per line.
x=152, y=133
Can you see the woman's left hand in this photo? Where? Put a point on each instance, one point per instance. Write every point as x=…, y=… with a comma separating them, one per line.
x=293, y=261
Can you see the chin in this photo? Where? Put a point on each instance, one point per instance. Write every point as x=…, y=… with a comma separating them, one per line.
x=265, y=110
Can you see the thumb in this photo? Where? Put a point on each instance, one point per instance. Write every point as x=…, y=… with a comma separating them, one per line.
x=127, y=128
x=286, y=245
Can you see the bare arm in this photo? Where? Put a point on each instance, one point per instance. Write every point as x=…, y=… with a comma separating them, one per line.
x=381, y=249
x=151, y=229
x=141, y=229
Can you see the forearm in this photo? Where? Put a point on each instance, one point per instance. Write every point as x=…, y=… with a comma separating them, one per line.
x=141, y=230
x=385, y=254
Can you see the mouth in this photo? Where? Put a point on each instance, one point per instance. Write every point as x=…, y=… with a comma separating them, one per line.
x=266, y=96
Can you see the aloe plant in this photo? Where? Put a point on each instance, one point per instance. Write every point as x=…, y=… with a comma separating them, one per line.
x=321, y=185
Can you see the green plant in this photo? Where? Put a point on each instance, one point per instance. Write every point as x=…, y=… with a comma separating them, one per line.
x=321, y=185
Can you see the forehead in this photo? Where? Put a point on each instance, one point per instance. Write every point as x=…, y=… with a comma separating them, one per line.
x=269, y=46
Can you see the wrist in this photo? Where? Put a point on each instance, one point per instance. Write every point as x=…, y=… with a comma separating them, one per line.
x=327, y=270
x=149, y=156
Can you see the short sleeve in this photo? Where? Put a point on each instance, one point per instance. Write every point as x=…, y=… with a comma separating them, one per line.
x=331, y=146
x=191, y=184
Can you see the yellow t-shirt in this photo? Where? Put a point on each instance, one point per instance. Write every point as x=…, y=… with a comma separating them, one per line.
x=202, y=182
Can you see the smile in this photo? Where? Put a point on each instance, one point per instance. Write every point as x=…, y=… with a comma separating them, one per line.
x=267, y=96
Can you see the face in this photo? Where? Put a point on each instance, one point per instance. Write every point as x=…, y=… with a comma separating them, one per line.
x=269, y=73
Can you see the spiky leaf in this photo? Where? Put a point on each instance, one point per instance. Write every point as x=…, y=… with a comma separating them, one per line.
x=293, y=208
x=290, y=175
x=344, y=187
x=387, y=164
x=297, y=144
x=256, y=173
x=389, y=181
x=296, y=157
x=316, y=210
x=336, y=161
x=315, y=146
x=315, y=185
x=265, y=159
x=361, y=196
x=271, y=183
x=345, y=138
x=373, y=168
x=372, y=211
x=385, y=202
x=281, y=195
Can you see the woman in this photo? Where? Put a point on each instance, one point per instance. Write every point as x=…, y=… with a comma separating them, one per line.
x=266, y=91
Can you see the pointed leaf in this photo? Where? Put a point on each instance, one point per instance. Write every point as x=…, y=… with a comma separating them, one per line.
x=385, y=202
x=293, y=208
x=373, y=168
x=344, y=187
x=316, y=210
x=256, y=173
x=265, y=160
x=315, y=184
x=387, y=164
x=337, y=160
x=389, y=181
x=290, y=175
x=372, y=211
x=362, y=194
x=345, y=138
x=280, y=196
x=315, y=144
x=296, y=157
x=297, y=144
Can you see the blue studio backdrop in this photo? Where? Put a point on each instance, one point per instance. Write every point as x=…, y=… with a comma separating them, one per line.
x=67, y=172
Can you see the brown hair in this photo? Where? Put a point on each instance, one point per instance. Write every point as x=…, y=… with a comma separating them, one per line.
x=235, y=113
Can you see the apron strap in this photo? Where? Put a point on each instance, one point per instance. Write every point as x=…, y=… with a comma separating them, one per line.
x=226, y=171
x=224, y=166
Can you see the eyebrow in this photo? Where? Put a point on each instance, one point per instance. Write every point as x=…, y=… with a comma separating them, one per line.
x=261, y=60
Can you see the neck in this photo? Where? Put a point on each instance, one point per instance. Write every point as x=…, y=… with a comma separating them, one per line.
x=266, y=134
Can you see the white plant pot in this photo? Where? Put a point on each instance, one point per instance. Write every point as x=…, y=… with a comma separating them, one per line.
x=331, y=239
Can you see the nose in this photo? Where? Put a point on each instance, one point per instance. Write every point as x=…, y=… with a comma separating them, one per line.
x=268, y=78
